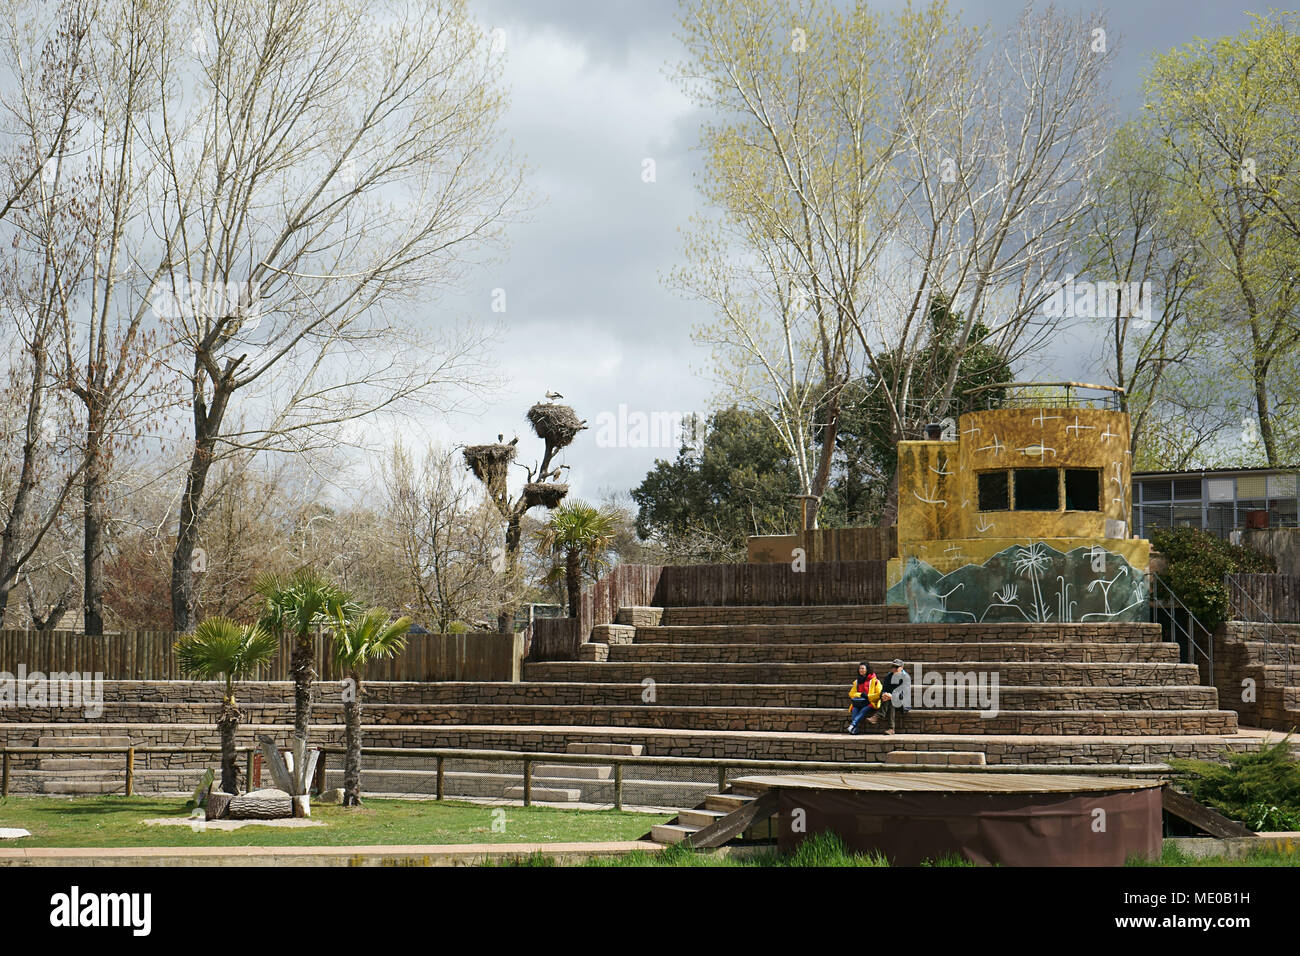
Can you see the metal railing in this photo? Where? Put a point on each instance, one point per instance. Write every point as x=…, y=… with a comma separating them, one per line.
x=1171, y=604
x=1246, y=610
x=1045, y=395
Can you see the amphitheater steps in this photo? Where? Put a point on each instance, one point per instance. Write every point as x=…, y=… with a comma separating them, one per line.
x=837, y=634
x=837, y=614
x=748, y=696
x=1060, y=651
x=839, y=674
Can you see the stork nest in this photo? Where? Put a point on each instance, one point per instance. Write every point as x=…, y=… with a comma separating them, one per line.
x=544, y=493
x=490, y=465
x=557, y=424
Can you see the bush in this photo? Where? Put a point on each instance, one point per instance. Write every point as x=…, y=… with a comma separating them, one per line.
x=1261, y=788
x=1198, y=562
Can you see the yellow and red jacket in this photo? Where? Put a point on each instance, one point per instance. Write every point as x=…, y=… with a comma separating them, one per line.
x=868, y=687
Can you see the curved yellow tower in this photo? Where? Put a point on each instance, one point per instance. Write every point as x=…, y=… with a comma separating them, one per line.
x=1023, y=516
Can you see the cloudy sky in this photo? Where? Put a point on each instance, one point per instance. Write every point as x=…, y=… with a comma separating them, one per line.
x=587, y=314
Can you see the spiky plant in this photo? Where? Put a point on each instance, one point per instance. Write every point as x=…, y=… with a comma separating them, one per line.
x=295, y=606
x=220, y=649
x=579, y=536
x=360, y=638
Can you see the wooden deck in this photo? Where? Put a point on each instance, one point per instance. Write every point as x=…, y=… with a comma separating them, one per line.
x=942, y=782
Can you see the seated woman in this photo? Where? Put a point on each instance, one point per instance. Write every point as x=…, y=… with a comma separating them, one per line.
x=864, y=696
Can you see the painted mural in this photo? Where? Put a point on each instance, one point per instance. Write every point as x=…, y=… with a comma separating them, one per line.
x=1026, y=583
x=1060, y=550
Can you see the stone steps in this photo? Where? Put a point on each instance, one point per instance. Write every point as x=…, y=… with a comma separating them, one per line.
x=834, y=634
x=746, y=696
x=1010, y=673
x=1058, y=651
x=787, y=614
x=835, y=746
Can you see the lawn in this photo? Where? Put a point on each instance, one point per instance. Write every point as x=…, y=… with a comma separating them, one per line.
x=117, y=821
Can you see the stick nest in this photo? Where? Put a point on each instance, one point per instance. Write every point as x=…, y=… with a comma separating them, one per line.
x=544, y=493
x=557, y=424
x=491, y=465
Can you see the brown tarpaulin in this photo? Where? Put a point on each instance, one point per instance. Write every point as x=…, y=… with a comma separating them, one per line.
x=1013, y=829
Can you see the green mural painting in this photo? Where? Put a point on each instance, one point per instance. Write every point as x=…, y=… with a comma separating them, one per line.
x=1030, y=582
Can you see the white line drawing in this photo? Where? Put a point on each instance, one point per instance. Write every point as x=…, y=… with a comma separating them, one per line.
x=1107, y=435
x=930, y=501
x=943, y=467
x=983, y=525
x=955, y=547
x=1077, y=428
x=1037, y=451
x=997, y=447
x=1043, y=418
x=1106, y=586
x=965, y=502
x=1033, y=561
x=1099, y=614
x=973, y=430
x=1064, y=606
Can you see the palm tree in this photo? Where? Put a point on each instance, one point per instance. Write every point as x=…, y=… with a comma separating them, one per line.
x=359, y=639
x=221, y=649
x=296, y=605
x=582, y=535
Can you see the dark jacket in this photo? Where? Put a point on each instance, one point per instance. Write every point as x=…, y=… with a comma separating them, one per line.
x=892, y=683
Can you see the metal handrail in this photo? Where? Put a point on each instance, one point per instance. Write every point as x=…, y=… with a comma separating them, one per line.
x=1245, y=618
x=1174, y=602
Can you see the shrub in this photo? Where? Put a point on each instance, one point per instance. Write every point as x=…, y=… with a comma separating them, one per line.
x=1261, y=788
x=1198, y=562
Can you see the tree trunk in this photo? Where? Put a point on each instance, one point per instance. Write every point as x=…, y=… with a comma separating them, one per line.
x=92, y=500
x=226, y=725
x=506, y=617
x=303, y=667
x=207, y=425
x=352, y=728
x=573, y=581
x=1260, y=376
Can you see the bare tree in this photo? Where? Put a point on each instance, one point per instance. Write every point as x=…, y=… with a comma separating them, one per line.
x=324, y=168
x=450, y=539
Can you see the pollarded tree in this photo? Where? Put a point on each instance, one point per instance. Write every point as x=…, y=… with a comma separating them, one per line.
x=579, y=536
x=220, y=649
x=557, y=426
x=360, y=638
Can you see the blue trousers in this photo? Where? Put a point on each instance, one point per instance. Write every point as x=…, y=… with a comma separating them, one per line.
x=861, y=708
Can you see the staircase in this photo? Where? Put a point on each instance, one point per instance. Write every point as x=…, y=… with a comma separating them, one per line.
x=1268, y=656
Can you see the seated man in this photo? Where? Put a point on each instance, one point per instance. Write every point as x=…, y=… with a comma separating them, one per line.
x=864, y=696
x=895, y=696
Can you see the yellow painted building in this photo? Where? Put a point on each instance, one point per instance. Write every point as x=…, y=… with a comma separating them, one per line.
x=1019, y=492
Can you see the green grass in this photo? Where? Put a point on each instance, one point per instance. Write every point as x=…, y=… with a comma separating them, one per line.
x=1173, y=856
x=117, y=821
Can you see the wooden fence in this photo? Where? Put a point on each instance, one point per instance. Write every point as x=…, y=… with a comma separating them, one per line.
x=705, y=585
x=826, y=544
x=149, y=655
x=1274, y=597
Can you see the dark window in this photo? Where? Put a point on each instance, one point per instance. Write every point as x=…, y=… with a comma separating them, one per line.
x=1082, y=489
x=1038, y=489
x=995, y=491
x=1187, y=489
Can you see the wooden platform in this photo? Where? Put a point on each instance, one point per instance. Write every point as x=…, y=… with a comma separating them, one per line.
x=966, y=782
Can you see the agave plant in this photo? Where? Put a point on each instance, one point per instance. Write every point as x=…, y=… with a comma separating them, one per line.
x=220, y=649
x=581, y=535
x=360, y=638
x=296, y=606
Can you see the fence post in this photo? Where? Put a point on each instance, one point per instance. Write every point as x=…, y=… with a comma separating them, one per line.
x=618, y=786
x=722, y=778
x=528, y=782
x=4, y=775
x=320, y=773
x=248, y=769
x=130, y=771
x=438, y=794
